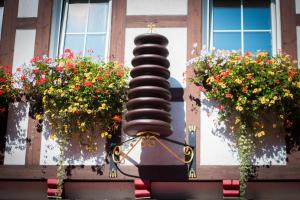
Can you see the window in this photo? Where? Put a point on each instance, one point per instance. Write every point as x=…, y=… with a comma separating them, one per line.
x=1, y=15
x=84, y=26
x=246, y=25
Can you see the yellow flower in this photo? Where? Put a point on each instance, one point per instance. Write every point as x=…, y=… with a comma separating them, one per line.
x=237, y=120
x=288, y=93
x=223, y=85
x=53, y=136
x=104, y=134
x=50, y=90
x=260, y=134
x=274, y=125
x=38, y=117
x=239, y=108
x=238, y=81
x=298, y=84
x=263, y=100
x=89, y=111
x=102, y=107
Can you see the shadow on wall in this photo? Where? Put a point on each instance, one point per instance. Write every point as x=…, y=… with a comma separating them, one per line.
x=271, y=148
x=75, y=153
x=157, y=162
x=16, y=133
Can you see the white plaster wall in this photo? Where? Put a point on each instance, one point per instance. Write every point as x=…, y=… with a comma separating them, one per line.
x=28, y=8
x=217, y=143
x=157, y=7
x=157, y=155
x=297, y=5
x=24, y=47
x=177, y=50
x=15, y=147
x=75, y=155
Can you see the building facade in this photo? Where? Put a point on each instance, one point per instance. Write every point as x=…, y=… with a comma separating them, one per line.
x=108, y=27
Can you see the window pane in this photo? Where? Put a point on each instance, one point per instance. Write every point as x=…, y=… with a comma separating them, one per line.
x=227, y=41
x=97, y=44
x=98, y=17
x=258, y=41
x=77, y=17
x=257, y=15
x=227, y=15
x=75, y=43
x=1, y=18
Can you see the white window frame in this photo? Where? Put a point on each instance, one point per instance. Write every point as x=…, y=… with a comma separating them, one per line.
x=59, y=19
x=275, y=26
x=1, y=18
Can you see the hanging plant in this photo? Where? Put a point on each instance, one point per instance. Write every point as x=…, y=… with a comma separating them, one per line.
x=245, y=88
x=80, y=97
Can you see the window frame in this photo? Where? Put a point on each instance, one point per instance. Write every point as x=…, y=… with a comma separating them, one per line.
x=207, y=26
x=1, y=17
x=58, y=30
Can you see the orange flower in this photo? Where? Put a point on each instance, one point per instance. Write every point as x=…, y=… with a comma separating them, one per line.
x=120, y=73
x=292, y=73
x=117, y=118
x=248, y=54
x=245, y=89
x=99, y=78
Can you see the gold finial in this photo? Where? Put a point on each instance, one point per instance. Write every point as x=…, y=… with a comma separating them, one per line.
x=151, y=26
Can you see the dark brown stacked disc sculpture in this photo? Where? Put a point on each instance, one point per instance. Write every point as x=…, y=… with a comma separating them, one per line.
x=149, y=96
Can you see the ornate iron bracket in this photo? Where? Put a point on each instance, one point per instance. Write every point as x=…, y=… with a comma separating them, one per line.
x=192, y=141
x=150, y=139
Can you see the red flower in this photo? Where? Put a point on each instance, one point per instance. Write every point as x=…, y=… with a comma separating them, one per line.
x=19, y=69
x=221, y=108
x=117, y=118
x=35, y=59
x=229, y=96
x=60, y=68
x=2, y=80
x=1, y=92
x=69, y=66
x=2, y=110
x=41, y=81
x=245, y=89
x=88, y=83
x=23, y=77
x=248, y=54
x=36, y=71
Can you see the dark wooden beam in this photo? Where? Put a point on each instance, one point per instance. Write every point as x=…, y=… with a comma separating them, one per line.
x=288, y=27
x=204, y=173
x=27, y=23
x=8, y=34
x=118, y=30
x=297, y=19
x=192, y=94
x=142, y=21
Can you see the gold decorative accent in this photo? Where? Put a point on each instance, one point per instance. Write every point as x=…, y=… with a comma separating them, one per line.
x=151, y=26
x=192, y=129
x=149, y=140
x=113, y=173
x=192, y=174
